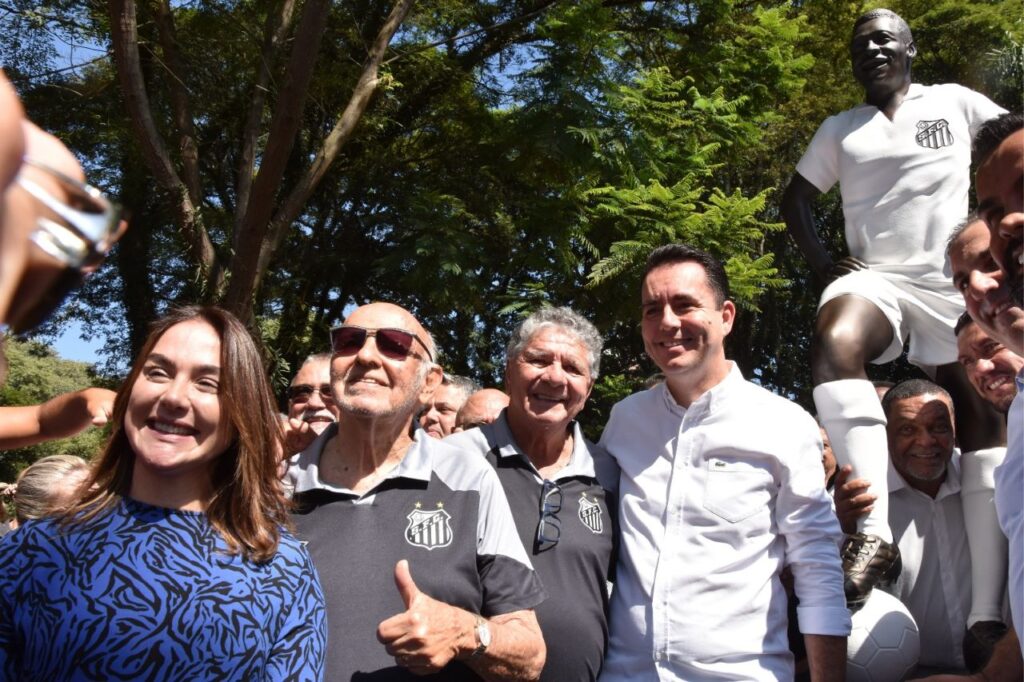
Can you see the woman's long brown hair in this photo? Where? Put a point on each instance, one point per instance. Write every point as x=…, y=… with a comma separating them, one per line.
x=248, y=507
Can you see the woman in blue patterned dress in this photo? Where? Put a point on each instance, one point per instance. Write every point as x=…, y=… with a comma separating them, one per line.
x=174, y=563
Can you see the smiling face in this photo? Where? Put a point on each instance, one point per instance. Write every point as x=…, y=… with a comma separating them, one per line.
x=921, y=439
x=308, y=400
x=549, y=381
x=684, y=328
x=880, y=57
x=983, y=285
x=1000, y=188
x=173, y=421
x=370, y=384
x=990, y=366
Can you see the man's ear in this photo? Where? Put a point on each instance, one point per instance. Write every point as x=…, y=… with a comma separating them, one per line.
x=728, y=316
x=912, y=49
x=435, y=375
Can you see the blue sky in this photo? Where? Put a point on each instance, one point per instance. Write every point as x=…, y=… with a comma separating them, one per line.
x=70, y=347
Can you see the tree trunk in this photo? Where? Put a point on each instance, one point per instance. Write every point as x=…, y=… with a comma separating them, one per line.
x=125, y=41
x=259, y=237
x=284, y=126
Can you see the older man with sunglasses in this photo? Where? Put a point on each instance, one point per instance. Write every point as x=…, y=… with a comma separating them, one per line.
x=414, y=542
x=550, y=476
x=310, y=398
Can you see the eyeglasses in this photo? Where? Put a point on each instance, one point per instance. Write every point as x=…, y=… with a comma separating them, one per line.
x=549, y=530
x=301, y=393
x=89, y=225
x=394, y=343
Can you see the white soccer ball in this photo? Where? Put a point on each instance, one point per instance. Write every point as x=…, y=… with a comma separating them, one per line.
x=884, y=644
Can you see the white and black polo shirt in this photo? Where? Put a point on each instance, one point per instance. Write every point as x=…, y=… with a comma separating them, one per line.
x=443, y=510
x=576, y=569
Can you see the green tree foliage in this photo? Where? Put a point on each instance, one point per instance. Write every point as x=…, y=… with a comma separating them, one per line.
x=976, y=44
x=510, y=155
x=675, y=136
x=36, y=374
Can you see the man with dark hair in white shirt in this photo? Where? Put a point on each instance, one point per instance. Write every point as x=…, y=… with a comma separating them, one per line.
x=721, y=488
x=999, y=153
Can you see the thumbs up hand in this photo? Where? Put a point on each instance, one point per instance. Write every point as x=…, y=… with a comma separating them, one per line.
x=429, y=634
x=405, y=584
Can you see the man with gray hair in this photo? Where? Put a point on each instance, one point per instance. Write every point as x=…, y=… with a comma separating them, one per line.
x=438, y=420
x=548, y=472
x=412, y=538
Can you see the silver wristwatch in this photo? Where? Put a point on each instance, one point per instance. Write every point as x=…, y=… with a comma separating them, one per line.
x=483, y=636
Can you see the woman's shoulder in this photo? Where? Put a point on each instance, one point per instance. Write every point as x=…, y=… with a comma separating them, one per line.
x=41, y=547
x=290, y=550
x=28, y=533
x=293, y=571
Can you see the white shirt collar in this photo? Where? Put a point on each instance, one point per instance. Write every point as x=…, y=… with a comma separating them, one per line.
x=707, y=400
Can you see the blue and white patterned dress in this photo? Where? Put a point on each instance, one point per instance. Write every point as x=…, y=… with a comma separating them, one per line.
x=147, y=593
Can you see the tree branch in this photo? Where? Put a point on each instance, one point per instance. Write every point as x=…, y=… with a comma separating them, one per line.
x=179, y=100
x=283, y=129
x=276, y=29
x=335, y=141
x=490, y=29
x=500, y=36
x=18, y=80
x=125, y=41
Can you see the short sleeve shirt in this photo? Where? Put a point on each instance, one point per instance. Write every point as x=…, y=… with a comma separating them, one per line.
x=442, y=509
x=904, y=183
x=574, y=570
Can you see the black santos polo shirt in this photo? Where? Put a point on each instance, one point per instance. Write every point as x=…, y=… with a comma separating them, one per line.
x=574, y=571
x=441, y=508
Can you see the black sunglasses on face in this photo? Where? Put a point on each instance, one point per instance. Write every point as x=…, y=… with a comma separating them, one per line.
x=301, y=393
x=549, y=530
x=394, y=343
